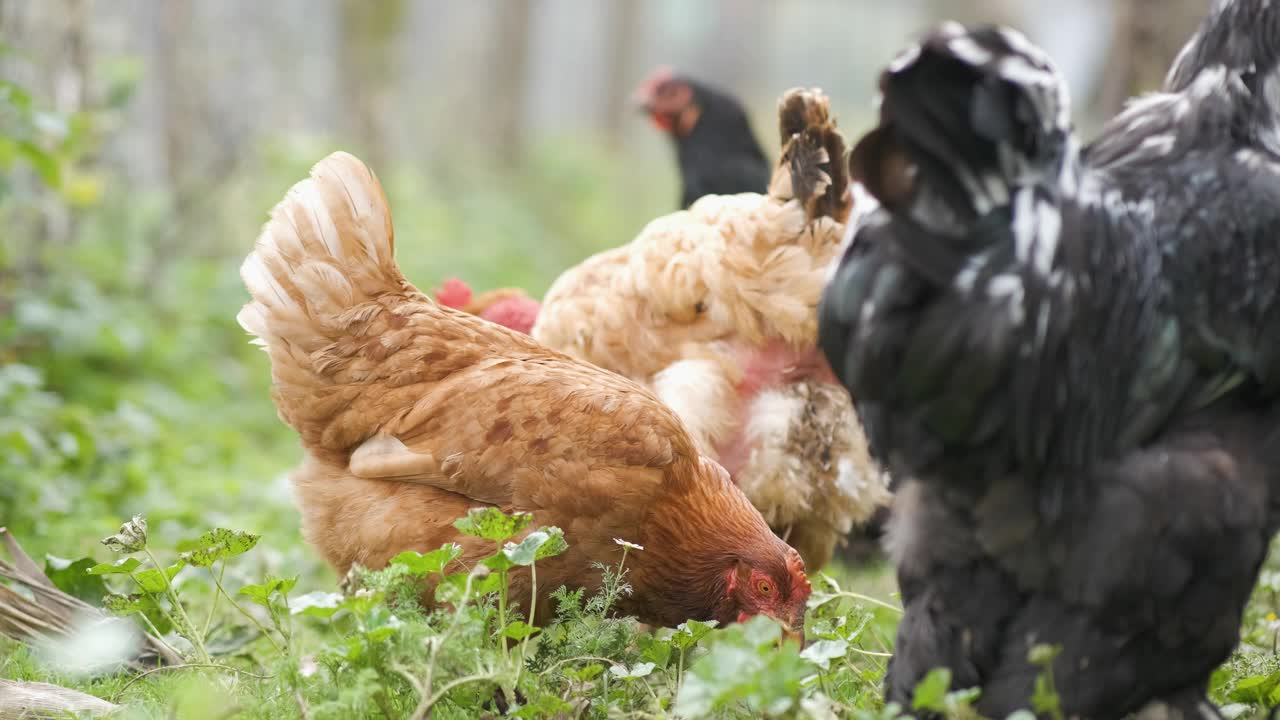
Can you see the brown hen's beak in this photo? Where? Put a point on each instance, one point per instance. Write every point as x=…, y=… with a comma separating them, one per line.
x=792, y=631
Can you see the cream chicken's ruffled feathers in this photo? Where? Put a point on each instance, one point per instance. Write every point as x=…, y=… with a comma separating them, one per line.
x=715, y=308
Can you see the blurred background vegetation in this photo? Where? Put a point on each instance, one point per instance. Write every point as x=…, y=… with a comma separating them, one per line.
x=143, y=141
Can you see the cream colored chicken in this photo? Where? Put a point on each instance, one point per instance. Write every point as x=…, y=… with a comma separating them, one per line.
x=715, y=309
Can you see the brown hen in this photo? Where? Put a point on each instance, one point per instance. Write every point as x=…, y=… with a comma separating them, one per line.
x=411, y=413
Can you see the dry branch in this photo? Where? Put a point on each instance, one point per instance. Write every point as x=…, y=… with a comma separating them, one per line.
x=36, y=700
x=34, y=611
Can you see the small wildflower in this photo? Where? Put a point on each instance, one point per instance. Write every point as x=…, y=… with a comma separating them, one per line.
x=308, y=666
x=628, y=545
x=132, y=537
x=1271, y=617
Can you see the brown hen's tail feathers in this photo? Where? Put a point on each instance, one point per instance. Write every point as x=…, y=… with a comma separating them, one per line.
x=328, y=247
x=813, y=156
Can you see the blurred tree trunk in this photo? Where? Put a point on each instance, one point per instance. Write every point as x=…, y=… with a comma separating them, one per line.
x=174, y=86
x=507, y=67
x=624, y=22
x=71, y=89
x=1147, y=37
x=736, y=46
x=366, y=66
x=70, y=81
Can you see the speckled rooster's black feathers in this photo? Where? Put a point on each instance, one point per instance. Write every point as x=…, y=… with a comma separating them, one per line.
x=1069, y=357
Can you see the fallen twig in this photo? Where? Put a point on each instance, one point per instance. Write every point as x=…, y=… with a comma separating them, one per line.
x=51, y=614
x=33, y=699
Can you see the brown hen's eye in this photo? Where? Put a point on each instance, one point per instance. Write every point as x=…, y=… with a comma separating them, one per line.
x=765, y=587
x=700, y=307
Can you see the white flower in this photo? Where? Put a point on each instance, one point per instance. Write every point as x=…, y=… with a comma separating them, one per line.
x=628, y=545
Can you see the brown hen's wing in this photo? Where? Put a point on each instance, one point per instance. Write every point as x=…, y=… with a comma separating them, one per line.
x=530, y=433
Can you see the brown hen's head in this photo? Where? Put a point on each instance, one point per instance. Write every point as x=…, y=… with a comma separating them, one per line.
x=710, y=556
x=761, y=586
x=670, y=101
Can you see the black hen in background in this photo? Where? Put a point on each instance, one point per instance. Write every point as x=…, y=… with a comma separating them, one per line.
x=1069, y=359
x=717, y=152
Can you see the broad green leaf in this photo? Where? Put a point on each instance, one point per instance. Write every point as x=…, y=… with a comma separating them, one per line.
x=586, y=673
x=518, y=630
x=74, y=578
x=498, y=562
x=554, y=545
x=491, y=523
x=537, y=545
x=817, y=599
x=957, y=699
x=638, y=670
x=261, y=594
x=153, y=581
x=1255, y=688
x=137, y=603
x=654, y=649
x=931, y=692
x=123, y=566
x=430, y=563
x=689, y=633
x=132, y=537
x=317, y=604
x=736, y=671
x=123, y=604
x=451, y=587
x=761, y=631
x=218, y=544
x=822, y=652
x=352, y=650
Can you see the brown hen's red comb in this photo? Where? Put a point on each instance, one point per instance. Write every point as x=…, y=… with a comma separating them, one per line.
x=454, y=293
x=796, y=567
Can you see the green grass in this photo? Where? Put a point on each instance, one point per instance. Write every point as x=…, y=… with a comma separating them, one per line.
x=126, y=387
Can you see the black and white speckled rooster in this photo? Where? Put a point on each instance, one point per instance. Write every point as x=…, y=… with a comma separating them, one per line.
x=1069, y=357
